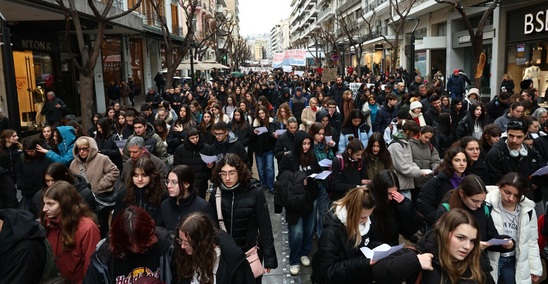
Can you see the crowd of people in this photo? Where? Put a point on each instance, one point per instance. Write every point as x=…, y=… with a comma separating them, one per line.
x=166, y=190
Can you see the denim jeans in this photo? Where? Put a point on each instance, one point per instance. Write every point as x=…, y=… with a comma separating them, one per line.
x=322, y=206
x=300, y=236
x=507, y=270
x=265, y=167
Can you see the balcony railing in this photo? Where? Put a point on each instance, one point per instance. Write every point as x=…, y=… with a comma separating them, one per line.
x=347, y=5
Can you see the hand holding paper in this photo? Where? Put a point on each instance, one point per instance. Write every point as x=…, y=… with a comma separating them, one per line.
x=380, y=252
x=260, y=130
x=208, y=159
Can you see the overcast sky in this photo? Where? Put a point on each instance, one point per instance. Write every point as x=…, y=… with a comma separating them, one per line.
x=259, y=16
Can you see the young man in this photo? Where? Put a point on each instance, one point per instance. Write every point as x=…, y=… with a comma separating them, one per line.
x=386, y=113
x=431, y=116
x=226, y=142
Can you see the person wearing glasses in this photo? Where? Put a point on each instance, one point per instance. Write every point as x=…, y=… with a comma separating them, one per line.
x=243, y=208
x=144, y=188
x=136, y=248
x=226, y=142
x=97, y=169
x=204, y=254
x=183, y=198
x=512, y=155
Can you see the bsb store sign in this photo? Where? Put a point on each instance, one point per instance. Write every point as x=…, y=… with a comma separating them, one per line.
x=528, y=24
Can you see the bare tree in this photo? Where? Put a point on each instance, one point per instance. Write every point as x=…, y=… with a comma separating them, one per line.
x=241, y=51
x=329, y=38
x=89, y=52
x=356, y=33
x=399, y=10
x=476, y=36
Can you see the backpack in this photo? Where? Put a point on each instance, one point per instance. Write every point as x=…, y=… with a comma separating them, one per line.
x=50, y=268
x=291, y=192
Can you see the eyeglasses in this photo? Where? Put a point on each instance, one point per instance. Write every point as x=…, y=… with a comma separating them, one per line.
x=181, y=242
x=83, y=149
x=171, y=182
x=219, y=134
x=230, y=174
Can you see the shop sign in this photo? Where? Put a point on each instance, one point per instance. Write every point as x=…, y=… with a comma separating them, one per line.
x=528, y=24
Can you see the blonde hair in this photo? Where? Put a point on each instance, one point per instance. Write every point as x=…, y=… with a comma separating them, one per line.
x=354, y=201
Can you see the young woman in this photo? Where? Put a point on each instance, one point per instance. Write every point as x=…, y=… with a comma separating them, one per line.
x=473, y=123
x=425, y=156
x=347, y=228
x=347, y=104
x=415, y=111
x=134, y=249
x=120, y=125
x=370, y=108
x=450, y=253
x=263, y=101
x=449, y=175
x=10, y=150
x=514, y=215
x=263, y=147
x=70, y=229
x=46, y=135
x=322, y=150
x=206, y=127
x=178, y=131
x=457, y=112
x=250, y=102
x=348, y=170
x=248, y=114
x=282, y=115
x=93, y=129
x=183, y=199
x=218, y=114
x=507, y=84
x=476, y=159
x=189, y=154
x=445, y=104
x=491, y=135
x=354, y=126
x=162, y=129
x=196, y=111
x=394, y=213
x=243, y=208
x=230, y=106
x=110, y=113
x=444, y=133
x=204, y=254
x=106, y=144
x=64, y=137
x=534, y=126
x=376, y=155
x=143, y=189
x=300, y=223
x=308, y=116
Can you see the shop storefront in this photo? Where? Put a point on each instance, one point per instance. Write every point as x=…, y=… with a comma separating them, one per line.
x=527, y=46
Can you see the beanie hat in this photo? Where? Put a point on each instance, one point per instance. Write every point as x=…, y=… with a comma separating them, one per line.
x=473, y=91
x=415, y=105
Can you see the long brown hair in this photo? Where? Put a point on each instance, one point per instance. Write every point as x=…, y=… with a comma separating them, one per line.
x=201, y=237
x=444, y=228
x=153, y=192
x=354, y=201
x=469, y=186
x=73, y=209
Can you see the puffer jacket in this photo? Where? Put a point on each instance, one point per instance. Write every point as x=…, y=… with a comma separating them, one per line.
x=426, y=157
x=189, y=154
x=27, y=167
x=98, y=169
x=363, y=131
x=65, y=147
x=527, y=251
x=264, y=142
x=247, y=220
x=431, y=196
x=154, y=144
x=173, y=210
x=402, y=159
x=385, y=114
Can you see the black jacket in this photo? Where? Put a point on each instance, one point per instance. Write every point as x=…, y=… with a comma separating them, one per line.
x=337, y=260
x=404, y=265
x=401, y=218
x=349, y=177
x=233, y=266
x=231, y=145
x=109, y=148
x=8, y=192
x=141, y=202
x=189, y=154
x=29, y=171
x=81, y=185
x=283, y=144
x=385, y=115
x=247, y=220
x=431, y=196
x=8, y=159
x=172, y=212
x=23, y=252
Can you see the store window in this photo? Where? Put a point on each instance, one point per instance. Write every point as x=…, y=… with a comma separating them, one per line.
x=111, y=51
x=521, y=56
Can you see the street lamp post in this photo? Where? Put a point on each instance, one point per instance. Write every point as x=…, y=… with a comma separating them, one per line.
x=412, y=52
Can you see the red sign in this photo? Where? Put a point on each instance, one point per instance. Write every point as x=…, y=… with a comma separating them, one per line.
x=335, y=57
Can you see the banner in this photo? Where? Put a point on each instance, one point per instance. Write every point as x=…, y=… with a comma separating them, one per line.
x=329, y=75
x=287, y=69
x=292, y=57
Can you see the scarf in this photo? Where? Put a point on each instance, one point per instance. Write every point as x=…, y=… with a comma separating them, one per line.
x=341, y=214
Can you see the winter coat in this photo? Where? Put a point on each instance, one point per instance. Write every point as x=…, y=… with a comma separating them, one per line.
x=338, y=261
x=231, y=145
x=431, y=117
x=154, y=144
x=431, y=196
x=81, y=185
x=264, y=142
x=8, y=158
x=456, y=86
x=466, y=127
x=23, y=250
x=52, y=113
x=243, y=135
x=350, y=176
x=141, y=202
x=109, y=148
x=495, y=108
x=73, y=264
x=502, y=121
x=402, y=159
x=233, y=266
x=173, y=212
x=385, y=115
x=402, y=218
x=189, y=154
x=527, y=250
x=65, y=147
x=404, y=265
x=8, y=192
x=28, y=166
x=99, y=171
x=375, y=166
x=363, y=132
x=426, y=157
x=103, y=262
x=336, y=92
x=308, y=117
x=294, y=196
x=247, y=220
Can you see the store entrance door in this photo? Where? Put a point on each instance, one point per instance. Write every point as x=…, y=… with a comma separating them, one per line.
x=26, y=84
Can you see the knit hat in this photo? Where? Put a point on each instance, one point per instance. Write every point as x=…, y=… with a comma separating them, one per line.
x=473, y=91
x=415, y=105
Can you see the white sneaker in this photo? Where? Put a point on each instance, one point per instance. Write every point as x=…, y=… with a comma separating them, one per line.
x=295, y=269
x=305, y=261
